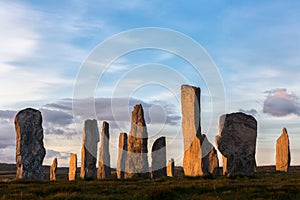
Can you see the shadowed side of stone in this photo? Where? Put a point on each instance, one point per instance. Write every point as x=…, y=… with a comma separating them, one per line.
x=90, y=138
x=237, y=143
x=137, y=155
x=159, y=158
x=122, y=155
x=104, y=170
x=170, y=168
x=210, y=161
x=283, y=155
x=30, y=151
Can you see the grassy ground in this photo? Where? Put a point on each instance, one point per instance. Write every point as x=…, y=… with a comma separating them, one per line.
x=260, y=186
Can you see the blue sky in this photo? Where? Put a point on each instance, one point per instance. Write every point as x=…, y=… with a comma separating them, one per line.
x=254, y=45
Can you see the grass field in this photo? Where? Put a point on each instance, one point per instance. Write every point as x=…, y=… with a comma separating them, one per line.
x=260, y=186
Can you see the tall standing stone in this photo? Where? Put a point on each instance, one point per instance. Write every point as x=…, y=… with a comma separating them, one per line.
x=73, y=167
x=104, y=170
x=199, y=155
x=90, y=138
x=30, y=151
x=159, y=158
x=53, y=168
x=190, y=106
x=237, y=143
x=171, y=168
x=122, y=155
x=191, y=130
x=137, y=155
x=283, y=155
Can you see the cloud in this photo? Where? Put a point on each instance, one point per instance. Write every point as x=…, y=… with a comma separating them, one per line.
x=280, y=103
x=251, y=111
x=56, y=117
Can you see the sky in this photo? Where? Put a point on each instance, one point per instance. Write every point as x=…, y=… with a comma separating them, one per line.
x=45, y=45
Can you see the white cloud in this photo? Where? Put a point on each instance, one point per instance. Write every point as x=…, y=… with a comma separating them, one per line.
x=18, y=39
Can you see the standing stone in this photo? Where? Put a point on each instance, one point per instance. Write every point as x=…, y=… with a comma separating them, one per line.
x=210, y=161
x=159, y=158
x=90, y=138
x=53, y=170
x=122, y=155
x=237, y=143
x=171, y=168
x=190, y=106
x=283, y=156
x=191, y=130
x=30, y=151
x=73, y=167
x=137, y=155
x=104, y=156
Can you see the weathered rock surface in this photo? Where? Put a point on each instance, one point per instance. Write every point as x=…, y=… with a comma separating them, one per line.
x=104, y=170
x=137, y=155
x=90, y=138
x=159, y=158
x=191, y=130
x=210, y=161
x=73, y=167
x=190, y=106
x=30, y=151
x=192, y=160
x=237, y=143
x=171, y=168
x=53, y=168
x=122, y=155
x=283, y=155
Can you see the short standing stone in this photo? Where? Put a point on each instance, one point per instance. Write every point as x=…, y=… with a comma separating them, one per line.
x=171, y=168
x=73, y=167
x=53, y=170
x=159, y=158
x=30, y=151
x=90, y=138
x=283, y=155
x=104, y=156
x=237, y=143
x=210, y=161
x=122, y=155
x=137, y=155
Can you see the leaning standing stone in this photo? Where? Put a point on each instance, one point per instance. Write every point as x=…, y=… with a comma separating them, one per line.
x=104, y=156
x=283, y=155
x=237, y=143
x=159, y=158
x=30, y=151
x=73, y=167
x=122, y=155
x=90, y=138
x=53, y=170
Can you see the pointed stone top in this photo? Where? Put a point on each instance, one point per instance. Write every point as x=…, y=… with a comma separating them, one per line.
x=284, y=135
x=284, y=131
x=137, y=116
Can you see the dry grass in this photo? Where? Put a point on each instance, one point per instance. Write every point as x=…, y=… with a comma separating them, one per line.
x=261, y=186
